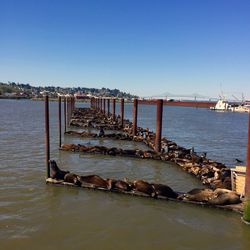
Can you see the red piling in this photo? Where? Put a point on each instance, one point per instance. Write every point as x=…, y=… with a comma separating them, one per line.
x=114, y=109
x=108, y=107
x=246, y=215
x=47, y=143
x=135, y=111
x=104, y=106
x=101, y=105
x=65, y=116
x=122, y=112
x=60, y=120
x=158, y=125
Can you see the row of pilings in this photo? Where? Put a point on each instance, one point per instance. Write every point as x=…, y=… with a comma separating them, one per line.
x=103, y=105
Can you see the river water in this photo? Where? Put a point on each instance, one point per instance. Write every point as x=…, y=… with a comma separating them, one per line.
x=34, y=215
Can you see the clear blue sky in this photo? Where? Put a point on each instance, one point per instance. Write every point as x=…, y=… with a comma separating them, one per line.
x=143, y=47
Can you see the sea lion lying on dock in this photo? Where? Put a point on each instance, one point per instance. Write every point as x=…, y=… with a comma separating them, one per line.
x=224, y=197
x=198, y=195
x=144, y=187
x=72, y=178
x=218, y=196
x=56, y=172
x=164, y=190
x=95, y=180
x=119, y=184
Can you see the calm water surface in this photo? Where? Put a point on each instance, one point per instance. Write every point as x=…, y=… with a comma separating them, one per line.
x=34, y=215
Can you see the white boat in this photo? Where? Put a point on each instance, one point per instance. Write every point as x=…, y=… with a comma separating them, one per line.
x=221, y=105
x=240, y=108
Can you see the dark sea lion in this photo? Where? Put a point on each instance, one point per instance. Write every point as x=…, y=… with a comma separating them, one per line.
x=72, y=178
x=129, y=152
x=164, y=190
x=94, y=180
x=119, y=184
x=200, y=195
x=144, y=187
x=56, y=172
x=224, y=197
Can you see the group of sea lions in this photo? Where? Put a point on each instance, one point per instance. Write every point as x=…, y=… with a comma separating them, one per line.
x=212, y=173
x=209, y=196
x=85, y=117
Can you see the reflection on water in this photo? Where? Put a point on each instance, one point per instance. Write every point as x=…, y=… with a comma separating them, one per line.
x=39, y=216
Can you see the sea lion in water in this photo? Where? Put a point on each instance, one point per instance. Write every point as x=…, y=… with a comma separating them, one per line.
x=72, y=178
x=95, y=180
x=56, y=172
x=119, y=184
x=199, y=195
x=144, y=187
x=224, y=197
x=164, y=190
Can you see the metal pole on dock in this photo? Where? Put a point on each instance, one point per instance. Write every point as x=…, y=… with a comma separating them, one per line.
x=158, y=125
x=104, y=106
x=135, y=111
x=114, y=109
x=101, y=104
x=68, y=111
x=246, y=215
x=98, y=103
x=122, y=112
x=60, y=120
x=47, y=144
x=65, y=116
x=108, y=107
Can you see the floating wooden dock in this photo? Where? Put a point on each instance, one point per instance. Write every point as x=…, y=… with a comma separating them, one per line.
x=233, y=207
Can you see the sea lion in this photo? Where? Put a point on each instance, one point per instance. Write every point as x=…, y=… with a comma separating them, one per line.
x=71, y=147
x=224, y=197
x=95, y=180
x=164, y=190
x=199, y=195
x=72, y=178
x=129, y=152
x=119, y=184
x=56, y=172
x=144, y=187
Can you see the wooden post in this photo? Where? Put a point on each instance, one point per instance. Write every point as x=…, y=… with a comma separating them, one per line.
x=108, y=107
x=158, y=125
x=60, y=120
x=101, y=104
x=135, y=111
x=122, y=112
x=67, y=111
x=246, y=215
x=114, y=109
x=104, y=106
x=47, y=143
x=65, y=116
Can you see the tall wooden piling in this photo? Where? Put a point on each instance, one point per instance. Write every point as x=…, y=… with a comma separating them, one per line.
x=101, y=105
x=246, y=215
x=47, y=142
x=68, y=110
x=122, y=112
x=104, y=106
x=108, y=107
x=65, y=115
x=158, y=131
x=114, y=109
x=135, y=112
x=60, y=120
